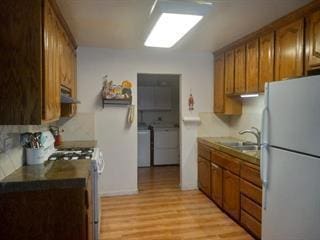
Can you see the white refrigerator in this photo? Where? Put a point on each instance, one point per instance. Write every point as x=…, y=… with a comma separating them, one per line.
x=290, y=160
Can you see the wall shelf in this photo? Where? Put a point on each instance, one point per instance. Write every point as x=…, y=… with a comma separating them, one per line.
x=116, y=102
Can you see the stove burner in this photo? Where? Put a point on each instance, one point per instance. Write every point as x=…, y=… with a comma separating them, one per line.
x=72, y=154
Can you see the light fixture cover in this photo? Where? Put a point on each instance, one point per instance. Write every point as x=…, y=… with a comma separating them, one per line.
x=170, y=28
x=249, y=95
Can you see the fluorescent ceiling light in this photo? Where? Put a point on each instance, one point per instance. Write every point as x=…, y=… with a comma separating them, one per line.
x=170, y=28
x=249, y=95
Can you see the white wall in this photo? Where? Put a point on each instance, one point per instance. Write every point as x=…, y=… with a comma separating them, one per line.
x=117, y=140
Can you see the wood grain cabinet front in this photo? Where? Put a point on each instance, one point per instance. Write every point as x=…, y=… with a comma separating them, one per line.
x=218, y=93
x=289, y=50
x=313, y=35
x=229, y=72
x=223, y=85
x=36, y=60
x=266, y=59
x=204, y=179
x=240, y=70
x=252, y=66
x=216, y=184
x=231, y=194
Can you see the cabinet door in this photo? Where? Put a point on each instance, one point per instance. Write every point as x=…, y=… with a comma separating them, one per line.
x=204, y=175
x=229, y=72
x=162, y=98
x=146, y=98
x=51, y=82
x=252, y=66
x=231, y=194
x=313, y=61
x=216, y=184
x=266, y=60
x=219, y=84
x=240, y=70
x=289, y=50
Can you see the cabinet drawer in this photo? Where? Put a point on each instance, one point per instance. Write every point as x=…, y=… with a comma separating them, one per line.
x=226, y=161
x=251, y=191
x=251, y=173
x=203, y=151
x=251, y=207
x=252, y=225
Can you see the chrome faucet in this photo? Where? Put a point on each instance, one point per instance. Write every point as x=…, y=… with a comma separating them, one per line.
x=255, y=131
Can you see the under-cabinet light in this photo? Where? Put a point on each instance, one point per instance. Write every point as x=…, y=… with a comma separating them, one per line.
x=170, y=28
x=249, y=95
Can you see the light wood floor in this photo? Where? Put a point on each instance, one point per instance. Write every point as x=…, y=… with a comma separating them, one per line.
x=161, y=211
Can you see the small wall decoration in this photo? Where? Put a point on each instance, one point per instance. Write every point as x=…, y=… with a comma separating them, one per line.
x=116, y=93
x=191, y=102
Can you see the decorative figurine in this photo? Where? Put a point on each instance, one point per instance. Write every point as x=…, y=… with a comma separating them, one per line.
x=191, y=102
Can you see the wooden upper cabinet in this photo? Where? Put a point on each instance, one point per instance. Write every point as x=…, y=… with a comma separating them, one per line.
x=224, y=104
x=229, y=72
x=219, y=84
x=252, y=66
x=289, y=50
x=313, y=34
x=31, y=77
x=240, y=70
x=266, y=59
x=52, y=57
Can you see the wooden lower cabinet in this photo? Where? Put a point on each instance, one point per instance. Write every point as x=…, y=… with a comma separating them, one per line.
x=251, y=224
x=231, y=194
x=204, y=175
x=216, y=184
x=251, y=207
x=232, y=184
x=45, y=214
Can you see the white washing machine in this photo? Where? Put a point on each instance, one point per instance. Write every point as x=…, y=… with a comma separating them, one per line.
x=143, y=148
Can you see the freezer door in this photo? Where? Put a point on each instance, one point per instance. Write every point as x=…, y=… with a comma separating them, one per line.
x=294, y=114
x=292, y=207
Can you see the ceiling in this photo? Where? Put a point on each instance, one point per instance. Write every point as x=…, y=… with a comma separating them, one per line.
x=123, y=23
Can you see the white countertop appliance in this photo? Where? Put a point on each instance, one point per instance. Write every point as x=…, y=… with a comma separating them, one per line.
x=290, y=160
x=73, y=154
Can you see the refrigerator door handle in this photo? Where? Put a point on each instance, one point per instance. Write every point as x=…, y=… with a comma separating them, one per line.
x=264, y=157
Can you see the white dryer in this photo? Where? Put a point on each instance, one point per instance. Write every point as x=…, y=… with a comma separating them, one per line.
x=166, y=146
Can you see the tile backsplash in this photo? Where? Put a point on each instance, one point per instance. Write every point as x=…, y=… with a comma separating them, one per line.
x=13, y=158
x=80, y=127
x=213, y=125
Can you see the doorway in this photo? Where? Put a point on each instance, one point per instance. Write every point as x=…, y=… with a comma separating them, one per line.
x=158, y=130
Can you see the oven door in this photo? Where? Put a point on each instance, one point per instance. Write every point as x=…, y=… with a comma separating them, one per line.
x=98, y=169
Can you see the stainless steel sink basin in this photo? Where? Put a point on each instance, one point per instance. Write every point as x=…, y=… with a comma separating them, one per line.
x=242, y=146
x=247, y=147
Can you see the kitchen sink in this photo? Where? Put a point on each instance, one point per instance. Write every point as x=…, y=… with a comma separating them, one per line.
x=242, y=146
x=247, y=147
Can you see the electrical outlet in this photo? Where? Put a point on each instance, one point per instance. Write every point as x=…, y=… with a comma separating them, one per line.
x=8, y=144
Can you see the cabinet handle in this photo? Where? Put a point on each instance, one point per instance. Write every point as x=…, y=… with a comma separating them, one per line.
x=214, y=166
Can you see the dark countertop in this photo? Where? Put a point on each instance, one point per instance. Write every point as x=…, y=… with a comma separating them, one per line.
x=74, y=144
x=50, y=175
x=216, y=143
